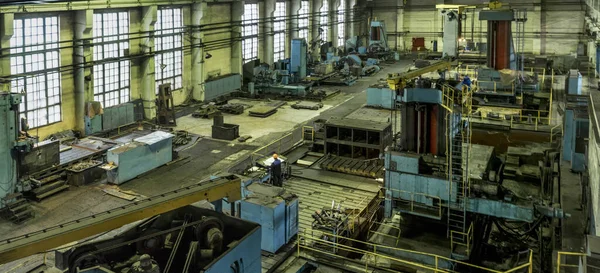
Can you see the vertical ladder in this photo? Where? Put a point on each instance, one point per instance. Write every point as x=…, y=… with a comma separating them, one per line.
x=458, y=227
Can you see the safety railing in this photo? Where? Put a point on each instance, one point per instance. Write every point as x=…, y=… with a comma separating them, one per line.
x=465, y=239
x=448, y=98
x=495, y=86
x=279, y=145
x=371, y=253
x=367, y=214
x=517, y=116
x=309, y=129
x=380, y=224
x=411, y=201
x=560, y=264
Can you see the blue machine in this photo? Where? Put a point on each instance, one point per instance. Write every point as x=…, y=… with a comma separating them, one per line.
x=217, y=244
x=141, y=155
x=576, y=130
x=573, y=82
x=10, y=143
x=298, y=58
x=276, y=211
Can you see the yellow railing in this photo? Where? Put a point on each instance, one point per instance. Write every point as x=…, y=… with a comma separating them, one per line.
x=312, y=132
x=412, y=199
x=279, y=145
x=516, y=116
x=560, y=264
x=378, y=224
x=465, y=238
x=448, y=98
x=495, y=84
x=377, y=251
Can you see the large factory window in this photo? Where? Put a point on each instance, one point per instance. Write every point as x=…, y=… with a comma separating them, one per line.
x=279, y=29
x=111, y=68
x=303, y=20
x=341, y=21
x=250, y=32
x=35, y=63
x=168, y=61
x=325, y=20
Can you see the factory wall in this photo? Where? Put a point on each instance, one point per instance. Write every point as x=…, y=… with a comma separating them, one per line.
x=593, y=164
x=551, y=28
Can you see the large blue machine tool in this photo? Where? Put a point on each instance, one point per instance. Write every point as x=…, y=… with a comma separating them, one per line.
x=188, y=239
x=434, y=171
x=10, y=143
x=576, y=130
x=298, y=58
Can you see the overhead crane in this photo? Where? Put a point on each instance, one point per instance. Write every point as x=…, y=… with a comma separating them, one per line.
x=46, y=239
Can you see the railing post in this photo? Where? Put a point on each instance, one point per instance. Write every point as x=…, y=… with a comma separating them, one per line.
x=558, y=263
x=436, y=264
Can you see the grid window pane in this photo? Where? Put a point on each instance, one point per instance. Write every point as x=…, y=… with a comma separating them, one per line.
x=250, y=32
x=303, y=20
x=168, y=62
x=325, y=20
x=111, y=76
x=279, y=29
x=341, y=21
x=35, y=63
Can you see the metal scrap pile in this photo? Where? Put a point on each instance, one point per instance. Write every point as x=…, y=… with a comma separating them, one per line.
x=333, y=222
x=181, y=138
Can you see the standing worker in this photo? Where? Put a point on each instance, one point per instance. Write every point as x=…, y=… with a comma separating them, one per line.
x=466, y=81
x=276, y=171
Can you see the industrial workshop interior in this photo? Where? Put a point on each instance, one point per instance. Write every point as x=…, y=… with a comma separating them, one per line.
x=299, y=136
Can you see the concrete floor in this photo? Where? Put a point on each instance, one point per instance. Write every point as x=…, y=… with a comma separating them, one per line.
x=87, y=200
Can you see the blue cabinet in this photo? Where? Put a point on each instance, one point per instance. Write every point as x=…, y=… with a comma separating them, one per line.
x=275, y=210
x=139, y=156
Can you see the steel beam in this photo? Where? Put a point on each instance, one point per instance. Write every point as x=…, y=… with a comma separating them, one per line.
x=52, y=237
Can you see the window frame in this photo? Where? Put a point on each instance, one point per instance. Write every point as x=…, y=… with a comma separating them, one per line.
x=32, y=58
x=303, y=20
x=279, y=27
x=250, y=32
x=108, y=61
x=171, y=56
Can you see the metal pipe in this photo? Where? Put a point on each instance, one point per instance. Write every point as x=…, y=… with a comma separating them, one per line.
x=418, y=132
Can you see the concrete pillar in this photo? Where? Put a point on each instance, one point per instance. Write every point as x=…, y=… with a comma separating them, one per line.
x=349, y=17
x=82, y=33
x=333, y=18
x=293, y=33
x=6, y=32
x=295, y=6
x=267, y=31
x=315, y=21
x=237, y=10
x=148, y=80
x=197, y=51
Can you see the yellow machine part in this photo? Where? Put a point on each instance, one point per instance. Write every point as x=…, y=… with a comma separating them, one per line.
x=41, y=241
x=397, y=81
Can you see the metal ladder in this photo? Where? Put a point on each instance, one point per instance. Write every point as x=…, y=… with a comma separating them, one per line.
x=520, y=18
x=458, y=228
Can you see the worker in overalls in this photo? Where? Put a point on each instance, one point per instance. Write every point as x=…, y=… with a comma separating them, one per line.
x=466, y=81
x=276, y=178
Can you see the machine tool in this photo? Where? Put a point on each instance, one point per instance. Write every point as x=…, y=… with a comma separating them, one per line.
x=187, y=239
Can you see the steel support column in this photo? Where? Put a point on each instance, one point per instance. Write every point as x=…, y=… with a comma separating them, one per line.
x=267, y=31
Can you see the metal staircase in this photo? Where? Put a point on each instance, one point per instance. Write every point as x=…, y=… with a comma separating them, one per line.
x=460, y=229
